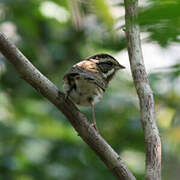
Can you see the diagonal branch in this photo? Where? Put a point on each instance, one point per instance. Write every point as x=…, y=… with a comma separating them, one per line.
x=32, y=76
x=148, y=120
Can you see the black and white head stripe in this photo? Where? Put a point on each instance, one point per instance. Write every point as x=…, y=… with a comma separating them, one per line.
x=106, y=61
x=101, y=56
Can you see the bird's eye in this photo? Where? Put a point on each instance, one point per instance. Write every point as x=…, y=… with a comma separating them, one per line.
x=105, y=66
x=109, y=63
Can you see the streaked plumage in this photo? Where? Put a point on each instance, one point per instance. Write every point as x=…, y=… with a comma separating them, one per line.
x=86, y=81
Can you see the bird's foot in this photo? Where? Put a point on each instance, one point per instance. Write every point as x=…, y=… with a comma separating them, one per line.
x=67, y=96
x=94, y=126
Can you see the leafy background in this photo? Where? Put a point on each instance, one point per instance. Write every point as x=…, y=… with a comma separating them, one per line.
x=36, y=140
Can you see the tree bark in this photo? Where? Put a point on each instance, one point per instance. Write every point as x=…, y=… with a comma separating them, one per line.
x=148, y=120
x=95, y=141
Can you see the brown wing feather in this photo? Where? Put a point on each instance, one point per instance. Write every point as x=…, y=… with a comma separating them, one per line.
x=88, y=70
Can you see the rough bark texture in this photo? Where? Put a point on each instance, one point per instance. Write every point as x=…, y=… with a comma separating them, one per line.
x=152, y=139
x=31, y=75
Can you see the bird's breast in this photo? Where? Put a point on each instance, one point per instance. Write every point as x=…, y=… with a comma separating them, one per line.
x=85, y=92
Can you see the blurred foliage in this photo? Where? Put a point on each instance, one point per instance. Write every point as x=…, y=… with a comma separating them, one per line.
x=162, y=20
x=36, y=141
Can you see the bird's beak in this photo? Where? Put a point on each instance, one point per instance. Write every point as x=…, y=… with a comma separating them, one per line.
x=118, y=67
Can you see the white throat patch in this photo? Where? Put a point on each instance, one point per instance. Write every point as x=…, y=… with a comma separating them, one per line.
x=105, y=75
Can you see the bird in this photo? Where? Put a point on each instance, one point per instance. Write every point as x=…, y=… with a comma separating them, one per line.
x=86, y=82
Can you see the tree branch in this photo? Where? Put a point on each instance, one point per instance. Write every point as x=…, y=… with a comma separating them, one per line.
x=32, y=76
x=148, y=120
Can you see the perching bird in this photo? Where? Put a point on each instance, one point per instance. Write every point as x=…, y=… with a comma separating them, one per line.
x=85, y=82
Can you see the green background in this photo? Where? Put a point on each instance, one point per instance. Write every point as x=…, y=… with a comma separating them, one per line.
x=36, y=140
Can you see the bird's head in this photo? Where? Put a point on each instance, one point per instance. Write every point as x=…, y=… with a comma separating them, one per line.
x=107, y=65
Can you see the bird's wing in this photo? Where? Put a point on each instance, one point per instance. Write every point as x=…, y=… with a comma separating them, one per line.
x=94, y=80
x=76, y=72
x=72, y=72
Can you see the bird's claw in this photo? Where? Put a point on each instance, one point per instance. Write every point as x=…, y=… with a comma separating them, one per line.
x=94, y=126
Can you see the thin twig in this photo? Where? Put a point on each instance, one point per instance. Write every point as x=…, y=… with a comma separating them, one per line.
x=148, y=120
